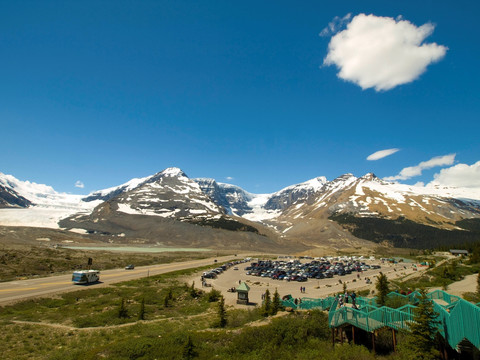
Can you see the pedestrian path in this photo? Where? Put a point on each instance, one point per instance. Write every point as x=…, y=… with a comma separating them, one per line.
x=458, y=318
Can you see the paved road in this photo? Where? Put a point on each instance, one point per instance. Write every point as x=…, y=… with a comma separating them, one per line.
x=25, y=289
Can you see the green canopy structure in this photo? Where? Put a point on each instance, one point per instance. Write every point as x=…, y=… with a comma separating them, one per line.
x=242, y=293
x=459, y=319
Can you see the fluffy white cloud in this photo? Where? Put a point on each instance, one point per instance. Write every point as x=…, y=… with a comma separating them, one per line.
x=229, y=178
x=416, y=170
x=381, y=52
x=381, y=154
x=79, y=184
x=460, y=175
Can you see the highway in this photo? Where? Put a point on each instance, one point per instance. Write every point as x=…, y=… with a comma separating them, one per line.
x=18, y=290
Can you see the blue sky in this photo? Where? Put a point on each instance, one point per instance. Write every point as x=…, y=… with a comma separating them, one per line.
x=99, y=92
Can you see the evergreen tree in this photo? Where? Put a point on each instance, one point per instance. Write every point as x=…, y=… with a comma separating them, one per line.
x=420, y=344
x=141, y=312
x=267, y=304
x=478, y=285
x=189, y=349
x=222, y=313
x=168, y=298
x=382, y=289
x=276, y=303
x=122, y=310
x=193, y=291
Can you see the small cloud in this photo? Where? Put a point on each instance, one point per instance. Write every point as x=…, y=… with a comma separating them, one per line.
x=416, y=170
x=79, y=184
x=336, y=24
x=229, y=178
x=460, y=175
x=381, y=154
x=382, y=52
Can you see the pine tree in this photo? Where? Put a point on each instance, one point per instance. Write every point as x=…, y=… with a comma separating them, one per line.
x=420, y=344
x=122, y=310
x=141, y=312
x=382, y=289
x=276, y=303
x=193, y=291
x=189, y=349
x=168, y=297
x=478, y=286
x=222, y=313
x=267, y=304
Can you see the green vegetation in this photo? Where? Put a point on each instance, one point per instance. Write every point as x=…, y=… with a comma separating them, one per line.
x=421, y=342
x=222, y=314
x=192, y=324
x=405, y=233
x=43, y=261
x=383, y=289
x=224, y=223
x=438, y=276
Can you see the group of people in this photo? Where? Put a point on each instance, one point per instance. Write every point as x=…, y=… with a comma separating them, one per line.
x=344, y=299
x=302, y=289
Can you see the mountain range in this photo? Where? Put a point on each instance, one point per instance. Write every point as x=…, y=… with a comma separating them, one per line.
x=169, y=208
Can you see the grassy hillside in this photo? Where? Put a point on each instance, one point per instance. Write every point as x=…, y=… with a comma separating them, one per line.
x=406, y=233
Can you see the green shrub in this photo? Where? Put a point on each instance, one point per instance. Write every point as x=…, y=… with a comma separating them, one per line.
x=213, y=295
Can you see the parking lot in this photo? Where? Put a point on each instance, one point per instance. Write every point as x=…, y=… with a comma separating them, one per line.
x=320, y=276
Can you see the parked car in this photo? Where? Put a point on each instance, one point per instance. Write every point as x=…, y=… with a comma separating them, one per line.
x=130, y=267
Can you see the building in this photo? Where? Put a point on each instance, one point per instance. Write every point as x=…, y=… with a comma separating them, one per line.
x=458, y=252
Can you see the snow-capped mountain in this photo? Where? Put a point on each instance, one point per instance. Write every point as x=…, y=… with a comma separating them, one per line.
x=290, y=195
x=26, y=203
x=302, y=211
x=168, y=194
x=9, y=198
x=232, y=198
x=369, y=196
x=107, y=194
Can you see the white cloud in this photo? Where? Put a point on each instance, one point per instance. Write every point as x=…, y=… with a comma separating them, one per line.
x=460, y=175
x=229, y=178
x=381, y=52
x=336, y=24
x=416, y=170
x=79, y=184
x=381, y=154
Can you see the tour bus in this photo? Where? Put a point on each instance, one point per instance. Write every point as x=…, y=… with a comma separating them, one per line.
x=85, y=276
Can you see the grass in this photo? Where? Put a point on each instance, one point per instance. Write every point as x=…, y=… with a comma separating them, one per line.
x=34, y=261
x=92, y=329
x=438, y=276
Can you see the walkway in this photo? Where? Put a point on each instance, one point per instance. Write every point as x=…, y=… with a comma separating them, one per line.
x=458, y=318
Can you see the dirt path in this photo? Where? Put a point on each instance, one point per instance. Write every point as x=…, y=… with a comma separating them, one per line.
x=468, y=284
x=72, y=328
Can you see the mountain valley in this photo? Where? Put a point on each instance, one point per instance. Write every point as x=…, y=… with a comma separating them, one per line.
x=170, y=209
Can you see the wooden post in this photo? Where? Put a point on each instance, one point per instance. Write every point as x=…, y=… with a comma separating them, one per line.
x=353, y=334
x=373, y=342
x=341, y=335
x=333, y=337
x=445, y=352
x=394, y=338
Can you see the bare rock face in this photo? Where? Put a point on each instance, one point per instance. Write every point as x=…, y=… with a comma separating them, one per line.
x=232, y=198
x=9, y=198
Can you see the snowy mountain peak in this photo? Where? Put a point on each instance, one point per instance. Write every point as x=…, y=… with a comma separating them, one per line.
x=173, y=172
x=369, y=177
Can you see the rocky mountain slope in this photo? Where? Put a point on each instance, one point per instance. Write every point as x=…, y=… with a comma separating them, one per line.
x=317, y=212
